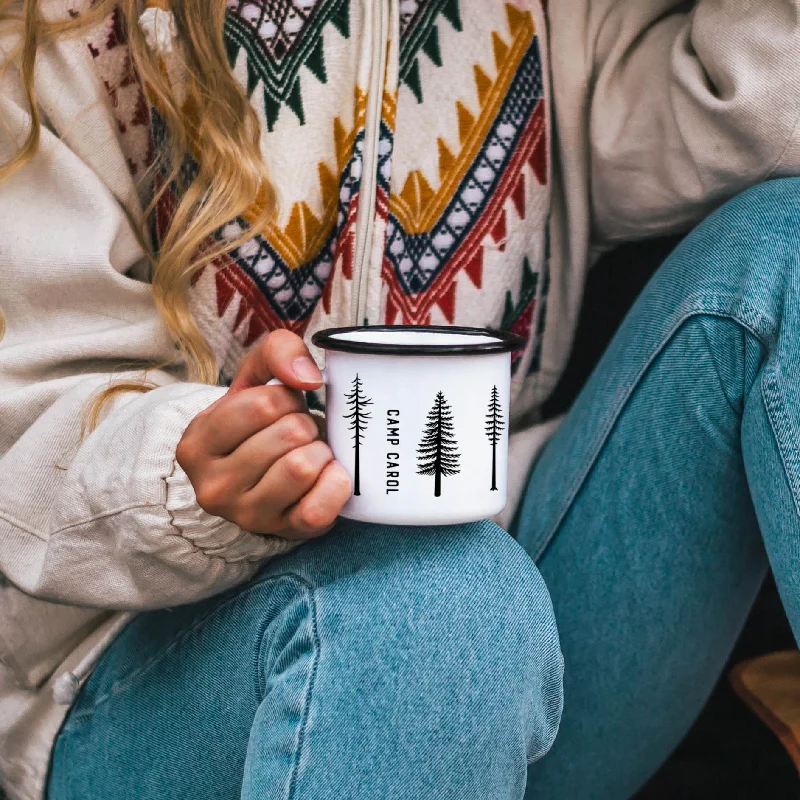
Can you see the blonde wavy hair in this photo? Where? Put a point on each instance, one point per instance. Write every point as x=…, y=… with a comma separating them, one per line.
x=213, y=122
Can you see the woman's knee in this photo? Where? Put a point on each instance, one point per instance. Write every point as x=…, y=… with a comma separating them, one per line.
x=751, y=241
x=461, y=610
x=474, y=565
x=739, y=264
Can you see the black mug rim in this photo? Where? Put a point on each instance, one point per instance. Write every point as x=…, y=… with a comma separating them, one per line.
x=503, y=341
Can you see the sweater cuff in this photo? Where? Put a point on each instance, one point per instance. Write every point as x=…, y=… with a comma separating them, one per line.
x=214, y=536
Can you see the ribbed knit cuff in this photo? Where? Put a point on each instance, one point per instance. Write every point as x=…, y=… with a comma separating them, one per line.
x=214, y=536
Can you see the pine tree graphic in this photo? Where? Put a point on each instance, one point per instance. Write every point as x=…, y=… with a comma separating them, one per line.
x=438, y=451
x=359, y=418
x=494, y=430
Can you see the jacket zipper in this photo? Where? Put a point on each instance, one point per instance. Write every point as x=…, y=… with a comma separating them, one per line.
x=365, y=220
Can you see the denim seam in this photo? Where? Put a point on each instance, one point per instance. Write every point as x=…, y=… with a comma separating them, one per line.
x=309, y=691
x=782, y=430
x=747, y=316
x=716, y=370
x=260, y=679
x=258, y=656
x=119, y=687
x=548, y=745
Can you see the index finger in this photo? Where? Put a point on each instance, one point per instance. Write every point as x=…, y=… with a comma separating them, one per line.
x=243, y=415
x=283, y=355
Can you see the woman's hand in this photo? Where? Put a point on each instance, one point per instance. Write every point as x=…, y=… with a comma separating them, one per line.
x=255, y=458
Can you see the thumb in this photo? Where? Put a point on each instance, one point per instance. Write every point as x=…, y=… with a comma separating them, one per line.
x=283, y=355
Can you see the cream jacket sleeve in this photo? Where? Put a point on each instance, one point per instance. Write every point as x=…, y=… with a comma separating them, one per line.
x=109, y=520
x=686, y=104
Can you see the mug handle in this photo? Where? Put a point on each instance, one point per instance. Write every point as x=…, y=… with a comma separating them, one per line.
x=279, y=382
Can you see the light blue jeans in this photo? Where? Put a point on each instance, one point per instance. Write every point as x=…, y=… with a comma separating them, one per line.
x=377, y=663
x=424, y=664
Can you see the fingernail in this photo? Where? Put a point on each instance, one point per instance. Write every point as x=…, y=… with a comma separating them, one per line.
x=306, y=370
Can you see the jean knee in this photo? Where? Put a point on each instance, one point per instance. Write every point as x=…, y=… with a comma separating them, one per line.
x=525, y=618
x=510, y=581
x=528, y=610
x=478, y=564
x=755, y=234
x=509, y=621
x=463, y=606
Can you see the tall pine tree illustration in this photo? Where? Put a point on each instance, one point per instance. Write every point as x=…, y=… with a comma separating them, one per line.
x=494, y=430
x=437, y=453
x=359, y=417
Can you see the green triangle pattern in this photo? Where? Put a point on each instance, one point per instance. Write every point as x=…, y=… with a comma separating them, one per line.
x=316, y=61
x=423, y=34
x=452, y=13
x=295, y=102
x=413, y=81
x=513, y=311
x=431, y=47
x=341, y=20
x=280, y=76
x=232, y=48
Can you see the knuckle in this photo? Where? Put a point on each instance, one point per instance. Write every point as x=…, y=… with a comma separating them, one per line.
x=299, y=430
x=300, y=466
x=340, y=485
x=212, y=496
x=265, y=406
x=270, y=340
x=322, y=452
x=187, y=453
x=278, y=341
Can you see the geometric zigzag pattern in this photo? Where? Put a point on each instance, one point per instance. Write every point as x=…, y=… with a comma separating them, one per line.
x=280, y=37
x=419, y=32
x=294, y=293
x=418, y=257
x=432, y=236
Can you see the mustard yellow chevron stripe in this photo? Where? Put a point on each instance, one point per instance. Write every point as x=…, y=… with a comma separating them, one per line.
x=306, y=233
x=418, y=206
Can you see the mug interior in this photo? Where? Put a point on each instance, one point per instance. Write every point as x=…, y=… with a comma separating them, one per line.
x=417, y=340
x=413, y=336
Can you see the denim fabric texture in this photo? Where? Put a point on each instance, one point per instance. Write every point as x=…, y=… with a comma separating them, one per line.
x=375, y=662
x=653, y=510
x=425, y=664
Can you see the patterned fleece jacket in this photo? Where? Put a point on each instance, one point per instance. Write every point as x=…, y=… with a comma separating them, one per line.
x=437, y=161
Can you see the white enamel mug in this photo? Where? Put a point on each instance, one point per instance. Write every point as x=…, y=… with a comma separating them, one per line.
x=419, y=417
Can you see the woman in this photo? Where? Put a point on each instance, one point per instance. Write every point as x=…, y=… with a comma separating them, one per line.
x=170, y=227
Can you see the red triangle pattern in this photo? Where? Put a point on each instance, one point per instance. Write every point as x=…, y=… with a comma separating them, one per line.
x=500, y=231
x=538, y=159
x=475, y=269
x=518, y=196
x=231, y=281
x=117, y=34
x=225, y=293
x=258, y=326
x=392, y=310
x=241, y=314
x=447, y=302
x=345, y=254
